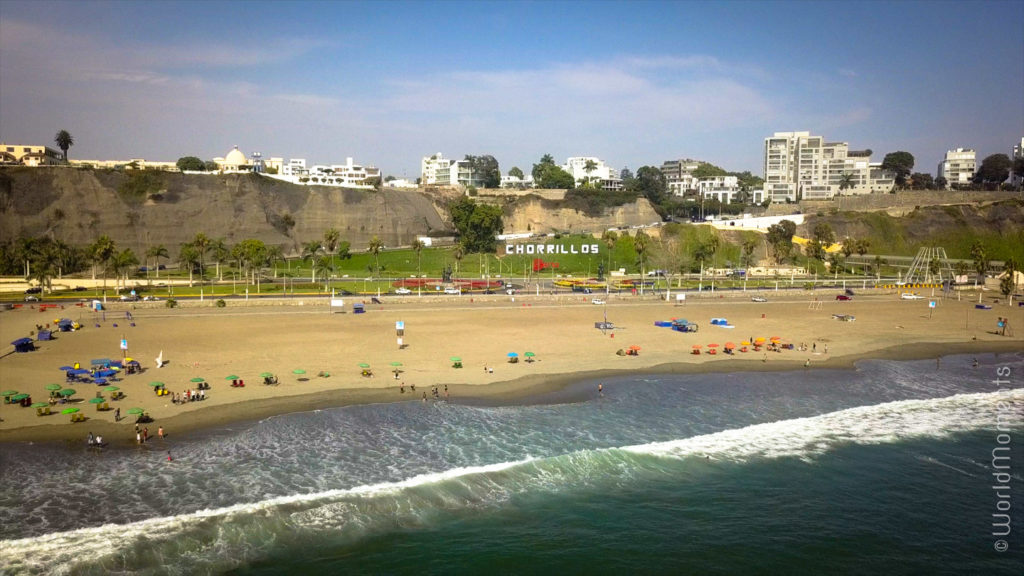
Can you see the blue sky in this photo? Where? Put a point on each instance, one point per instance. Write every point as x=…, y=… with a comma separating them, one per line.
x=390, y=82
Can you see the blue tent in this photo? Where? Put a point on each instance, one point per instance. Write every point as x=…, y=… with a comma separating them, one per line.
x=23, y=345
x=65, y=324
x=100, y=362
x=44, y=335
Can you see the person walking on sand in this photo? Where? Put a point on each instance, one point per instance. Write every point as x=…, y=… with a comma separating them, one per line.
x=160, y=432
x=117, y=415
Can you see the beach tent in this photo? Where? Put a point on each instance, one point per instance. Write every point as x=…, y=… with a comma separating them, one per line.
x=358, y=308
x=23, y=345
x=65, y=325
x=44, y=335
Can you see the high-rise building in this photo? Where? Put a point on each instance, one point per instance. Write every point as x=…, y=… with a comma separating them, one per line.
x=799, y=166
x=958, y=167
x=679, y=175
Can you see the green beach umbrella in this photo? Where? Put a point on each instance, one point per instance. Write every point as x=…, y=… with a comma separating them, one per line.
x=135, y=410
x=69, y=411
x=53, y=386
x=39, y=405
x=529, y=354
x=267, y=375
x=18, y=397
x=198, y=380
x=364, y=365
x=455, y=359
x=96, y=401
x=298, y=371
x=8, y=393
x=157, y=384
x=396, y=364
x=232, y=377
x=67, y=392
x=111, y=389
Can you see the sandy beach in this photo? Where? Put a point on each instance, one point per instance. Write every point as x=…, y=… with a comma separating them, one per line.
x=280, y=338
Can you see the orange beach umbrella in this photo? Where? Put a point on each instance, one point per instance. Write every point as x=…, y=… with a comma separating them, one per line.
x=730, y=345
x=697, y=346
x=712, y=345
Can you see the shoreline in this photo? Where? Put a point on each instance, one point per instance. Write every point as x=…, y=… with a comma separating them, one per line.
x=524, y=390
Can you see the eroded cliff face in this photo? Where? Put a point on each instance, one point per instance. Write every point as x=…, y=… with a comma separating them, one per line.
x=76, y=206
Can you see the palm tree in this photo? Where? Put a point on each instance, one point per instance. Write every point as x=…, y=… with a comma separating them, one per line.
x=589, y=167
x=849, y=246
x=64, y=141
x=863, y=245
x=156, y=252
x=46, y=265
x=331, y=238
x=103, y=251
x=123, y=262
x=374, y=248
x=609, y=237
x=847, y=180
x=641, y=243
x=325, y=265
x=459, y=253
x=219, y=250
x=201, y=243
x=310, y=250
x=27, y=249
x=188, y=256
x=418, y=246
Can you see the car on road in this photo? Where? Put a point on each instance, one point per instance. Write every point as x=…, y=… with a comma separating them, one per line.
x=843, y=297
x=452, y=291
x=34, y=290
x=150, y=298
x=403, y=291
x=597, y=301
x=758, y=299
x=910, y=296
x=31, y=298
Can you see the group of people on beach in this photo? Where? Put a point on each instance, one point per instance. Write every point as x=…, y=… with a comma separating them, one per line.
x=188, y=396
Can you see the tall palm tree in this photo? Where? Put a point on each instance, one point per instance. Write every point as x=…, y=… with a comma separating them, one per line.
x=219, y=250
x=609, y=237
x=122, y=263
x=201, y=243
x=310, y=250
x=188, y=256
x=374, y=248
x=641, y=243
x=46, y=266
x=324, y=265
x=847, y=180
x=156, y=252
x=418, y=246
x=27, y=249
x=589, y=167
x=459, y=253
x=64, y=141
x=103, y=251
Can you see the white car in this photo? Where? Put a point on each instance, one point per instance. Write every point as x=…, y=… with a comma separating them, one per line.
x=403, y=291
x=758, y=299
x=597, y=301
x=909, y=296
x=452, y=291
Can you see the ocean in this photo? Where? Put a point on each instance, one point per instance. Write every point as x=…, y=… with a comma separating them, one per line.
x=885, y=468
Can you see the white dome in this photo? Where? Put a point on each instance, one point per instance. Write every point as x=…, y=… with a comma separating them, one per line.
x=235, y=158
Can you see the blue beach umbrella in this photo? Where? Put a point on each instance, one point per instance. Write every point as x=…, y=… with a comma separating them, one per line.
x=513, y=354
x=65, y=368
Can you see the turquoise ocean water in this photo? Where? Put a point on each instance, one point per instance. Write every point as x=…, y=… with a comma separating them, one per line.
x=887, y=468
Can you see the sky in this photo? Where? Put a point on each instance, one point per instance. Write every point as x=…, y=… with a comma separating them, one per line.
x=632, y=83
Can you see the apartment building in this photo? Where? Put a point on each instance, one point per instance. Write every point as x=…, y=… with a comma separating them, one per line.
x=30, y=155
x=958, y=167
x=798, y=166
x=679, y=175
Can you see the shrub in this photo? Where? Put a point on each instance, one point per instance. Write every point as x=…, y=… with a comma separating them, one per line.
x=171, y=303
x=221, y=303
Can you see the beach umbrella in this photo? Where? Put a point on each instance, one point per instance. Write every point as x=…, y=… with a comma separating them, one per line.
x=759, y=340
x=96, y=401
x=67, y=392
x=745, y=343
x=39, y=405
x=8, y=393
x=512, y=354
x=529, y=354
x=127, y=360
x=299, y=371
x=198, y=380
x=267, y=375
x=135, y=411
x=455, y=359
x=78, y=371
x=396, y=364
x=730, y=345
x=712, y=345
x=99, y=381
x=697, y=346
x=106, y=373
x=233, y=377
x=157, y=384
x=53, y=386
x=775, y=338
x=111, y=389
x=19, y=397
x=100, y=361
x=364, y=365
x=65, y=368
x=69, y=411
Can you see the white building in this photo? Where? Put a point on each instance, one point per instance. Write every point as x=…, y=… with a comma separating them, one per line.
x=798, y=166
x=1018, y=153
x=437, y=170
x=958, y=167
x=516, y=182
x=403, y=183
x=721, y=188
x=347, y=175
x=603, y=176
x=679, y=175
x=235, y=161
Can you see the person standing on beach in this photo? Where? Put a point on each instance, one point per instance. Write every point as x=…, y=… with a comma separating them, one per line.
x=160, y=432
x=424, y=397
x=600, y=389
x=138, y=437
x=145, y=434
x=117, y=415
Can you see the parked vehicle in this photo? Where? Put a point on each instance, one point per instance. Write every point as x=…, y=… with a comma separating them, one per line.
x=758, y=299
x=843, y=297
x=597, y=301
x=910, y=296
x=31, y=298
x=403, y=291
